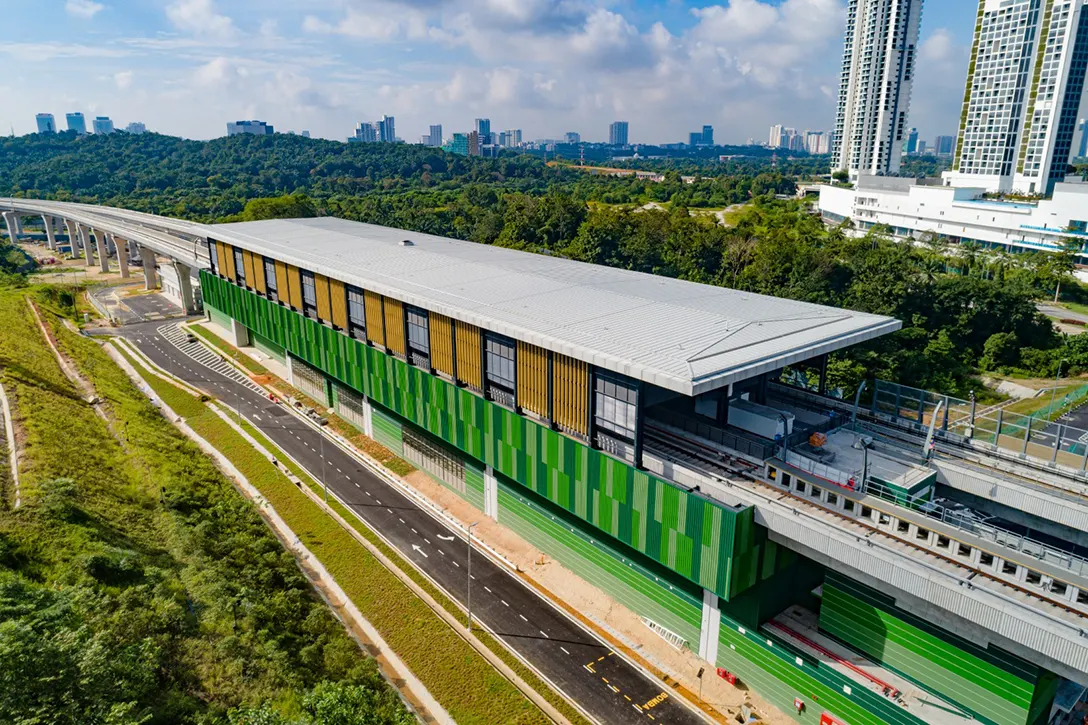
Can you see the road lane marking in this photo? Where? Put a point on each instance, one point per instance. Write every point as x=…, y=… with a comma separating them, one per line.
x=418, y=548
x=544, y=633
x=523, y=618
x=504, y=603
x=488, y=590
x=565, y=652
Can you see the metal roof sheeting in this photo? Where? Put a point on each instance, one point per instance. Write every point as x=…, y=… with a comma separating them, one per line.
x=683, y=336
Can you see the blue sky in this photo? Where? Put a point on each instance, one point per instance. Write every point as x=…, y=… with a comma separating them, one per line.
x=186, y=67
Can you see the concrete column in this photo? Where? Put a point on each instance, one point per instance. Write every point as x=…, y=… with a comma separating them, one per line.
x=122, y=257
x=73, y=238
x=491, y=493
x=18, y=224
x=185, y=289
x=708, y=630
x=9, y=223
x=100, y=250
x=50, y=234
x=151, y=280
x=85, y=242
x=368, y=417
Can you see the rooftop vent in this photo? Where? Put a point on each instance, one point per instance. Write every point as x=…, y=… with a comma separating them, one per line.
x=407, y=243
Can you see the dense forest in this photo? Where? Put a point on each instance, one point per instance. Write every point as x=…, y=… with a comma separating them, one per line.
x=964, y=308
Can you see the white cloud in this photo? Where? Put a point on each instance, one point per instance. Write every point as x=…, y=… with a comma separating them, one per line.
x=200, y=17
x=123, y=79
x=83, y=8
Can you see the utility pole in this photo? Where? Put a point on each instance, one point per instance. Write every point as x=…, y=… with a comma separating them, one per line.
x=470, y=528
x=1054, y=390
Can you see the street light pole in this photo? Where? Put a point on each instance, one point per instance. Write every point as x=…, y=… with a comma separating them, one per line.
x=1054, y=390
x=470, y=528
x=324, y=481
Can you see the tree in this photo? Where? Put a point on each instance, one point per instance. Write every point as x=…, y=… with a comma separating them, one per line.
x=841, y=175
x=1060, y=264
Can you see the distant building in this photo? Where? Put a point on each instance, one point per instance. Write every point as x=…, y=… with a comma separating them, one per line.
x=573, y=137
x=817, y=142
x=944, y=145
x=365, y=133
x=436, y=134
x=874, y=94
x=922, y=148
x=708, y=135
x=76, y=122
x=510, y=138
x=103, y=125
x=46, y=123
x=910, y=146
x=136, y=127
x=387, y=132
x=304, y=134
x=617, y=133
x=695, y=138
x=458, y=144
x=483, y=129
x=256, y=128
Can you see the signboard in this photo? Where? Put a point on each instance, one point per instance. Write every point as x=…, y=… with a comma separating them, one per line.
x=829, y=719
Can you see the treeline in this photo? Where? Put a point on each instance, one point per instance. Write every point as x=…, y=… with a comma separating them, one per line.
x=208, y=180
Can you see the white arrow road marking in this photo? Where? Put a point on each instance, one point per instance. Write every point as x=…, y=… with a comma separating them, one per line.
x=445, y=538
x=420, y=550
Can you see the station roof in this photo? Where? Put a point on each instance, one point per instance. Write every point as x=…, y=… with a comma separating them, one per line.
x=687, y=337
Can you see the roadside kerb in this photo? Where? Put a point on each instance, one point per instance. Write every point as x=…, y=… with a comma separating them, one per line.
x=425, y=703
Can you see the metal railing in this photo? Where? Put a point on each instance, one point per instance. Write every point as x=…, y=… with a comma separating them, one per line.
x=748, y=444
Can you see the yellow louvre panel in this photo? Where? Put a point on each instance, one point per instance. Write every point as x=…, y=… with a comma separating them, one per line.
x=375, y=329
x=281, y=282
x=258, y=274
x=321, y=288
x=247, y=263
x=570, y=391
x=468, y=355
x=339, y=304
x=294, y=288
x=532, y=378
x=228, y=255
x=394, y=326
x=441, y=343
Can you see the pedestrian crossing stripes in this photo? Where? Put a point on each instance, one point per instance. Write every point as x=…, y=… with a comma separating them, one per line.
x=179, y=338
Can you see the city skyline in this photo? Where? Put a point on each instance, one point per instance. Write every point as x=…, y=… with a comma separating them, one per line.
x=312, y=69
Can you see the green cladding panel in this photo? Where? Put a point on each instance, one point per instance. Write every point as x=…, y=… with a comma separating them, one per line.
x=707, y=543
x=996, y=686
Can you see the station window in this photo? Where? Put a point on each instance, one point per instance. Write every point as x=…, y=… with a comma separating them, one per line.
x=356, y=313
x=239, y=268
x=616, y=405
x=500, y=369
x=270, y=282
x=213, y=254
x=309, y=294
x=419, y=337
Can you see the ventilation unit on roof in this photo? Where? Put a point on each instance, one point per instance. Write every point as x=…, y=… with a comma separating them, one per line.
x=407, y=243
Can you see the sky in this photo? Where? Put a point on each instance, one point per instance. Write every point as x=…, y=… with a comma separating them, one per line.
x=187, y=67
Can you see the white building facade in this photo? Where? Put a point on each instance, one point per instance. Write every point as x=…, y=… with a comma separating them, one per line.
x=875, y=88
x=910, y=208
x=1024, y=94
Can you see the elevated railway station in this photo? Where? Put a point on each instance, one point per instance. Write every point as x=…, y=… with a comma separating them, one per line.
x=639, y=430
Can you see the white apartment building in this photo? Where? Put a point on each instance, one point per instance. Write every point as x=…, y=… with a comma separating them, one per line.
x=1025, y=92
x=912, y=207
x=874, y=93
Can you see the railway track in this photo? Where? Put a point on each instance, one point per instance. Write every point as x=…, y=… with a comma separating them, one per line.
x=717, y=466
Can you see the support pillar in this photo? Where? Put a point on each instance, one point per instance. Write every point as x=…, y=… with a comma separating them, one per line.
x=823, y=374
x=85, y=242
x=708, y=630
x=368, y=416
x=73, y=238
x=50, y=234
x=18, y=224
x=150, y=277
x=122, y=257
x=100, y=250
x=491, y=493
x=185, y=290
x=9, y=223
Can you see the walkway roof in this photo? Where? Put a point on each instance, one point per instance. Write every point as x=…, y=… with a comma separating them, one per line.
x=682, y=336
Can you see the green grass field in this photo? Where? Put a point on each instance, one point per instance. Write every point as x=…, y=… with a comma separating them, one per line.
x=136, y=584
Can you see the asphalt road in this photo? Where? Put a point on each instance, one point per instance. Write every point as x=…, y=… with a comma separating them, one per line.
x=1073, y=427
x=604, y=684
x=128, y=310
